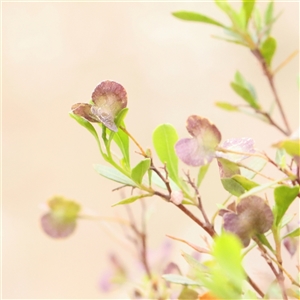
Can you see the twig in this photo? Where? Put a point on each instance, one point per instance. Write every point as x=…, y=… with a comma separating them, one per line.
x=257, y=53
x=278, y=275
x=192, y=184
x=286, y=61
x=255, y=287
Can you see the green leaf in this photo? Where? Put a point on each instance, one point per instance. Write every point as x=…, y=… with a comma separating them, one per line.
x=132, y=199
x=240, y=80
x=164, y=139
x=265, y=241
x=192, y=16
x=121, y=138
x=247, y=7
x=87, y=125
x=280, y=158
x=113, y=174
x=174, y=278
x=269, y=13
x=246, y=183
x=187, y=293
x=245, y=94
x=268, y=49
x=292, y=147
x=257, y=19
x=260, y=188
x=139, y=170
x=293, y=233
x=227, y=253
x=227, y=106
x=201, y=174
x=232, y=186
x=284, y=196
x=237, y=20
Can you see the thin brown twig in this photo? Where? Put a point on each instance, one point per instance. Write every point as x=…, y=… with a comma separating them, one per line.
x=286, y=61
x=257, y=53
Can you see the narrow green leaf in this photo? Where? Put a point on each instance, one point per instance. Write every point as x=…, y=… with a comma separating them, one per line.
x=87, y=125
x=113, y=174
x=201, y=174
x=293, y=233
x=164, y=139
x=247, y=7
x=240, y=80
x=263, y=239
x=280, y=158
x=245, y=94
x=227, y=106
x=237, y=20
x=292, y=147
x=269, y=13
x=268, y=49
x=246, y=183
x=260, y=188
x=174, y=278
x=132, y=199
x=257, y=19
x=284, y=196
x=139, y=170
x=192, y=16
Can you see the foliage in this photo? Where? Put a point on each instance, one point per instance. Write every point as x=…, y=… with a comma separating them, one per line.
x=248, y=218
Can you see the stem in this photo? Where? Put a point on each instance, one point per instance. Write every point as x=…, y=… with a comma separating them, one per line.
x=255, y=287
x=286, y=61
x=270, y=78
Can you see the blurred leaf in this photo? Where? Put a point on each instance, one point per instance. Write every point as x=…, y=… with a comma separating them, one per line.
x=284, y=196
x=257, y=164
x=227, y=253
x=268, y=49
x=187, y=294
x=280, y=158
x=269, y=13
x=292, y=147
x=227, y=106
x=247, y=7
x=113, y=174
x=257, y=19
x=193, y=263
x=132, y=199
x=164, y=139
x=245, y=94
x=240, y=80
x=201, y=174
x=192, y=16
x=139, y=170
x=246, y=183
x=174, y=278
x=60, y=221
x=293, y=233
x=237, y=20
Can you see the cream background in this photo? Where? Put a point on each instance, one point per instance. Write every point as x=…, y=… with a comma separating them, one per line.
x=53, y=55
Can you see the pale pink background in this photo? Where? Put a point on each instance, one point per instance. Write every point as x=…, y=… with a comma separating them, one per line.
x=54, y=54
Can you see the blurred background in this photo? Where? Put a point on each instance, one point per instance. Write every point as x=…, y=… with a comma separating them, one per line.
x=53, y=55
